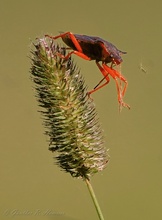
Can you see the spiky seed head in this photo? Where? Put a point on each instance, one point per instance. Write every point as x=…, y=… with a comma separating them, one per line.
x=70, y=119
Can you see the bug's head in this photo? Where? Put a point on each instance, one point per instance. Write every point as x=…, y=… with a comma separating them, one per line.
x=112, y=53
x=116, y=57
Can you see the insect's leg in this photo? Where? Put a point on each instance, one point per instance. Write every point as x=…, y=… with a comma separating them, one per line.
x=78, y=52
x=58, y=36
x=121, y=77
x=71, y=36
x=116, y=75
x=105, y=74
x=82, y=55
x=100, y=82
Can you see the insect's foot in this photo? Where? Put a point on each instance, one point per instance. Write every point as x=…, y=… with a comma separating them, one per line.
x=89, y=95
x=123, y=104
x=46, y=35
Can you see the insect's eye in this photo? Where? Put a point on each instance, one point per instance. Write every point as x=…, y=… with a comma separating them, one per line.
x=112, y=57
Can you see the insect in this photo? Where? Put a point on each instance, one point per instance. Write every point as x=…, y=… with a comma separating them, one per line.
x=142, y=68
x=99, y=50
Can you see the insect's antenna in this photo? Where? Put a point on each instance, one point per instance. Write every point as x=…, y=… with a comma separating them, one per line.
x=121, y=52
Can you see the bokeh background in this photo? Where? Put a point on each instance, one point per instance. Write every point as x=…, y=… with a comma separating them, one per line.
x=130, y=188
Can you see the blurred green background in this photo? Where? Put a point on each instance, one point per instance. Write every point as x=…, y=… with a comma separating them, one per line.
x=130, y=188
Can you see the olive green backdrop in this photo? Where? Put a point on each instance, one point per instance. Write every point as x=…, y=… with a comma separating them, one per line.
x=130, y=188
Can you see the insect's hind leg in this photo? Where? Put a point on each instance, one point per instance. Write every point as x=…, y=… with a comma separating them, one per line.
x=58, y=36
x=78, y=50
x=71, y=36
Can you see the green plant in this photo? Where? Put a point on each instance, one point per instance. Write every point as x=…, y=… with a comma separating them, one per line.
x=70, y=119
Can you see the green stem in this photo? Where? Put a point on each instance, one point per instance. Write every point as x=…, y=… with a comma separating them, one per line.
x=100, y=215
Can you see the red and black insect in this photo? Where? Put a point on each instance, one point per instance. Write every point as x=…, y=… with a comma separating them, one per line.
x=95, y=48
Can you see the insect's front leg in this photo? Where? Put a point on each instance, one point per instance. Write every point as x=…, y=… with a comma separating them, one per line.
x=116, y=75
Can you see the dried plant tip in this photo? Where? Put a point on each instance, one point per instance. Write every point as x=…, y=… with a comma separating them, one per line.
x=69, y=115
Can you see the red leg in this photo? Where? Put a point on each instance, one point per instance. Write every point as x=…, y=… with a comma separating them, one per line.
x=82, y=55
x=71, y=36
x=105, y=74
x=78, y=52
x=116, y=75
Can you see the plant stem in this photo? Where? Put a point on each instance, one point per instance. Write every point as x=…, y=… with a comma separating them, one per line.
x=100, y=215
